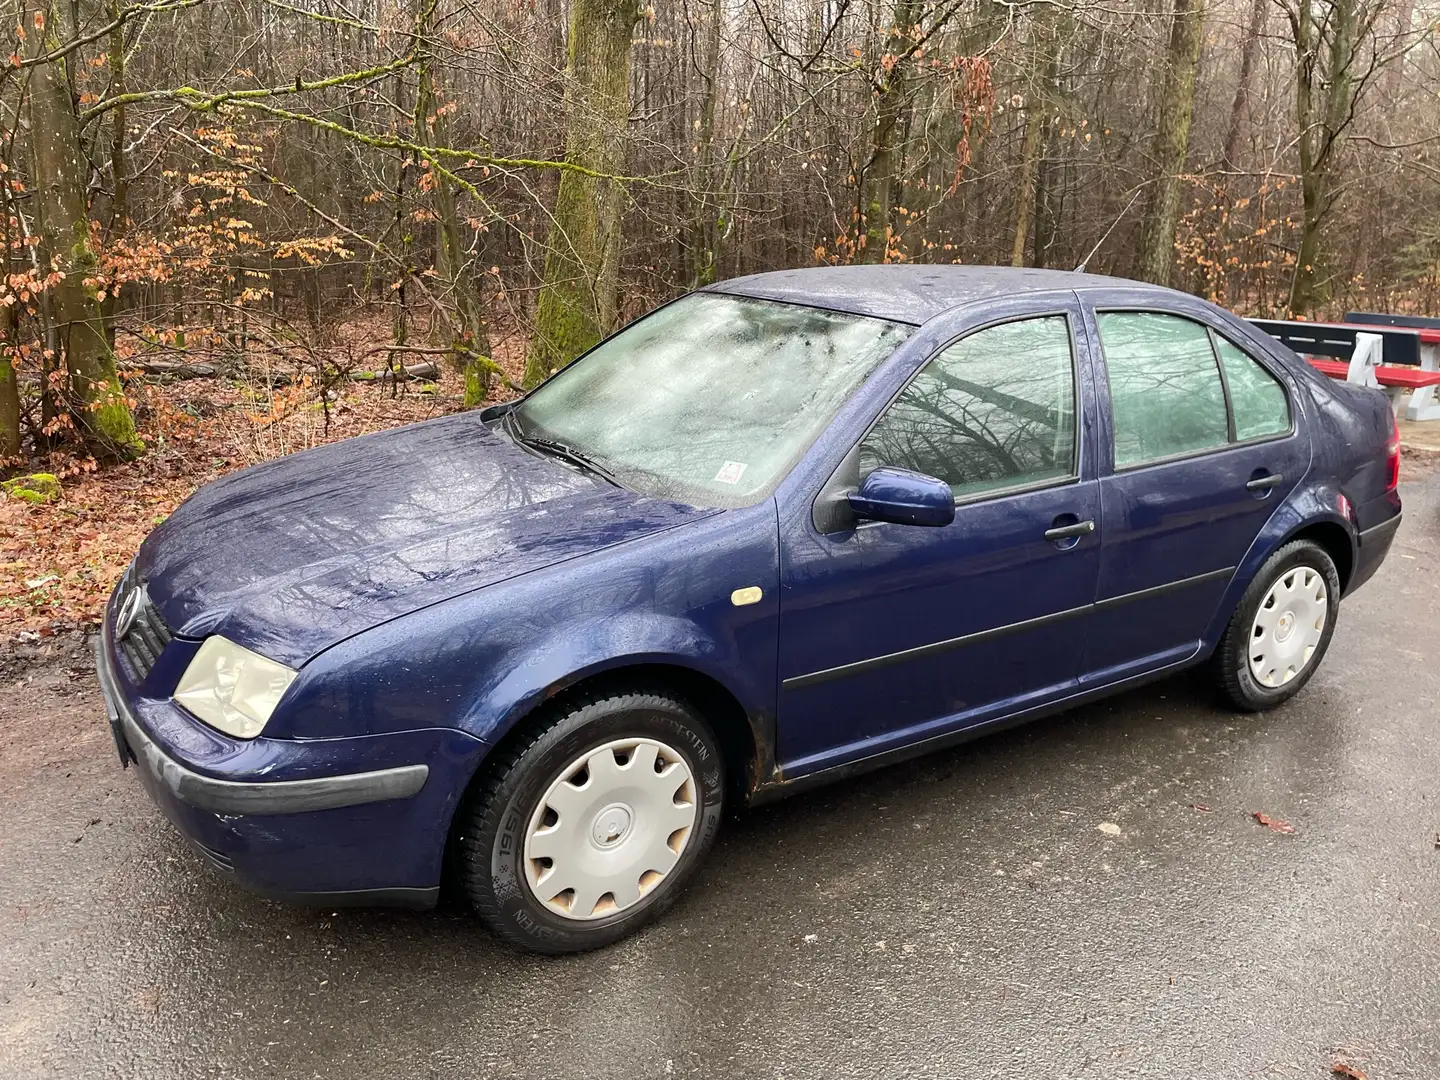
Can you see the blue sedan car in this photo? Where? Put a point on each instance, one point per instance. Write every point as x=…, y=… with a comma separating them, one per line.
x=781, y=530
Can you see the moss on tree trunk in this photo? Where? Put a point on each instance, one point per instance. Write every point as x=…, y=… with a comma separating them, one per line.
x=576, y=307
x=9, y=410
x=95, y=396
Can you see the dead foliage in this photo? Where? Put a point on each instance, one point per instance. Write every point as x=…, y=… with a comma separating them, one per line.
x=59, y=561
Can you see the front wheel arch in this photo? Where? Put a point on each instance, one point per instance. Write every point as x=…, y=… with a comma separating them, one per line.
x=742, y=736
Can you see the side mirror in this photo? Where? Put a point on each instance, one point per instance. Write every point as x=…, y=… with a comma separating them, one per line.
x=904, y=497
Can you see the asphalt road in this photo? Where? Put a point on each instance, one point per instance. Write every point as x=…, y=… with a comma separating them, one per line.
x=1052, y=902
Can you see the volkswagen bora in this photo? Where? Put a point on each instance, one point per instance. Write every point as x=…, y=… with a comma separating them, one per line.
x=778, y=531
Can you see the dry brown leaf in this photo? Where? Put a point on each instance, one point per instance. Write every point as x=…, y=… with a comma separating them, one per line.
x=1273, y=824
x=1340, y=1068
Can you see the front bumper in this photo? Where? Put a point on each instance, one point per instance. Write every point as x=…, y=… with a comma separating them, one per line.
x=235, y=797
x=363, y=837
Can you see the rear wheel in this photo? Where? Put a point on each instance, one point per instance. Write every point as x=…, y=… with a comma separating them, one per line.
x=591, y=825
x=1280, y=629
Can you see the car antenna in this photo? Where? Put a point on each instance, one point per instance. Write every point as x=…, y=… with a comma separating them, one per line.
x=1086, y=260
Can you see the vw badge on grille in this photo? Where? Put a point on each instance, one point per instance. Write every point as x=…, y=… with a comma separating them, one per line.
x=130, y=611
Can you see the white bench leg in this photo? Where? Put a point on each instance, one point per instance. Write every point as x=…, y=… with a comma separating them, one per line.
x=1423, y=405
x=1365, y=359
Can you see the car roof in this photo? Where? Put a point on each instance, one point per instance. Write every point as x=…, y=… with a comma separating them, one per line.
x=910, y=293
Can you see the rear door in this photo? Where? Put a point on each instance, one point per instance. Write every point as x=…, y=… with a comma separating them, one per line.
x=890, y=633
x=1203, y=444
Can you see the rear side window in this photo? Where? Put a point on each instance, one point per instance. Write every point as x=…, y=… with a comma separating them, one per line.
x=1166, y=397
x=995, y=410
x=1256, y=397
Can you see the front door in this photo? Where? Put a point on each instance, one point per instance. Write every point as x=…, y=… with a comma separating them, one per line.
x=1205, y=447
x=890, y=633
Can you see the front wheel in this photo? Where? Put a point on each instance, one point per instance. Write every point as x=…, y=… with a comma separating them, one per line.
x=1280, y=629
x=590, y=826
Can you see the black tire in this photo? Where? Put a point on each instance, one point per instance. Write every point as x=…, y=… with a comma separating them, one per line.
x=497, y=813
x=1232, y=656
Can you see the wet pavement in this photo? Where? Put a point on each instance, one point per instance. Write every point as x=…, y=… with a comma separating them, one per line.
x=1087, y=896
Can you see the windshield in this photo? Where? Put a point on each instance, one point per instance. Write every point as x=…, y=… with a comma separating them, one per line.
x=711, y=399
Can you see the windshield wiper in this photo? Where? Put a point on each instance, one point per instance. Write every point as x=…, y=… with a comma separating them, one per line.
x=575, y=457
x=560, y=450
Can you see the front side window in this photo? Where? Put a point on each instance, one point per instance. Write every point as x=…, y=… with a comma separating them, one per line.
x=995, y=410
x=711, y=399
x=1256, y=397
x=1166, y=397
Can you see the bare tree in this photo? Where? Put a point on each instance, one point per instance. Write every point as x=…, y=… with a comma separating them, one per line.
x=577, y=300
x=1172, y=142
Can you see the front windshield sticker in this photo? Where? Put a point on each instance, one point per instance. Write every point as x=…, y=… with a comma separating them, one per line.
x=730, y=472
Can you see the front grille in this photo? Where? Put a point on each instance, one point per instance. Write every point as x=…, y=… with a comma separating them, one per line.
x=140, y=630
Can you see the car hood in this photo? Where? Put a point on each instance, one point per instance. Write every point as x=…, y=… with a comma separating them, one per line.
x=297, y=554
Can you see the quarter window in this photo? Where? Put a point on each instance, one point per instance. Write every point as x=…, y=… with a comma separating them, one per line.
x=1166, y=397
x=1256, y=398
x=994, y=410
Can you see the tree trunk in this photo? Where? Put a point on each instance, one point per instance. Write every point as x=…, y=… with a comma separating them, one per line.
x=9, y=388
x=1046, y=209
x=468, y=335
x=95, y=398
x=111, y=307
x=1172, y=143
x=1404, y=20
x=1029, y=162
x=1324, y=101
x=400, y=224
x=707, y=226
x=1239, y=107
x=576, y=307
x=892, y=100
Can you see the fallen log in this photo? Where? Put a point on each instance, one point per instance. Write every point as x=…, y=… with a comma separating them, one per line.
x=427, y=370
x=172, y=368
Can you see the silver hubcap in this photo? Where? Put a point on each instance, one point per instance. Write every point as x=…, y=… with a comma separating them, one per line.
x=1288, y=626
x=611, y=826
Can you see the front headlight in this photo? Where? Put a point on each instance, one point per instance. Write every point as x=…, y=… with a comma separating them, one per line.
x=231, y=688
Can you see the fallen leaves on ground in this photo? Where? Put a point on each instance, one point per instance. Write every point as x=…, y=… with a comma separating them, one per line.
x=1340, y=1068
x=59, y=561
x=1204, y=808
x=1273, y=824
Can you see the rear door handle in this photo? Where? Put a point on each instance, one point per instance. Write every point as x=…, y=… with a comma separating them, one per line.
x=1065, y=532
x=1261, y=483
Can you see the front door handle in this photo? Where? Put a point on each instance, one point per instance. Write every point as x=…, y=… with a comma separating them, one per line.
x=1065, y=532
x=1264, y=483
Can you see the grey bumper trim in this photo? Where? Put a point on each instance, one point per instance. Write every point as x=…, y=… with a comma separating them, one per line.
x=1379, y=533
x=236, y=797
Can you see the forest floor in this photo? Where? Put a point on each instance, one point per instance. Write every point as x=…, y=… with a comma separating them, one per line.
x=59, y=560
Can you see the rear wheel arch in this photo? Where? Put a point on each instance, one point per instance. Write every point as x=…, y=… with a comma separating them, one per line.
x=1337, y=542
x=1296, y=568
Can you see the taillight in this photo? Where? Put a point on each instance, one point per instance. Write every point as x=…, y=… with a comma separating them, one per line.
x=1392, y=457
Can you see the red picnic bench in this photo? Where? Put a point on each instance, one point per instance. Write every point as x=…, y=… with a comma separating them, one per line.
x=1396, y=353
